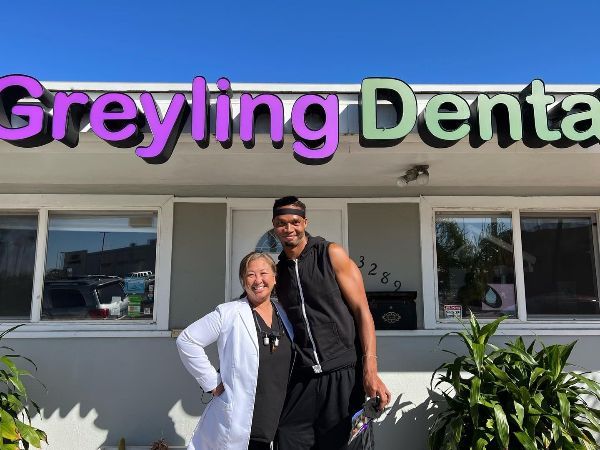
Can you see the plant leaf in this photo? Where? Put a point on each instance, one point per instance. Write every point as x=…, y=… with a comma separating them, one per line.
x=5, y=332
x=501, y=425
x=520, y=413
x=537, y=372
x=475, y=388
x=526, y=441
x=8, y=429
x=478, y=355
x=29, y=434
x=565, y=407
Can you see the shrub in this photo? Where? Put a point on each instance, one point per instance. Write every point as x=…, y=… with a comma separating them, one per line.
x=15, y=405
x=515, y=397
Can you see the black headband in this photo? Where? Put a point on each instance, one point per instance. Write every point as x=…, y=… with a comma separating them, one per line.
x=282, y=211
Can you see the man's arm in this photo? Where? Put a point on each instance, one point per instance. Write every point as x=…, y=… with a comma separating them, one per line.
x=351, y=284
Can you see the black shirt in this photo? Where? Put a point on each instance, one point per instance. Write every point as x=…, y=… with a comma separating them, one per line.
x=273, y=373
x=308, y=290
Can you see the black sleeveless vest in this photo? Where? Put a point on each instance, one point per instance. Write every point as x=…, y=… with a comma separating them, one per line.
x=324, y=329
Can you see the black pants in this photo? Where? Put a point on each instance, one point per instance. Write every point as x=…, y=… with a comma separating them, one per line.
x=318, y=410
x=258, y=445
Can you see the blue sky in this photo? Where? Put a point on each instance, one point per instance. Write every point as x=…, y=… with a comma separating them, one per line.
x=308, y=41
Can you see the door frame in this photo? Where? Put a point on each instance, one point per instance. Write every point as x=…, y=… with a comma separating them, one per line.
x=257, y=204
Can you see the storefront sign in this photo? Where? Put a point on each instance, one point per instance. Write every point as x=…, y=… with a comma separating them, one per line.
x=453, y=311
x=447, y=118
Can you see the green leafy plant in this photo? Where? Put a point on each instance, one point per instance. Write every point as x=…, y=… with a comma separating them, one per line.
x=514, y=397
x=16, y=431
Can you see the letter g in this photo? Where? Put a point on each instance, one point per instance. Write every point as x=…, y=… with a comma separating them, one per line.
x=36, y=130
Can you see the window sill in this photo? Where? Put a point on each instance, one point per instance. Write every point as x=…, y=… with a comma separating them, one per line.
x=82, y=329
x=579, y=331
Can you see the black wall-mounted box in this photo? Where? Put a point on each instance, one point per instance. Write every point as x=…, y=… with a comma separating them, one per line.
x=393, y=310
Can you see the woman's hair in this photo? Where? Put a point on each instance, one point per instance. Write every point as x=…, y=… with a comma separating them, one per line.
x=246, y=260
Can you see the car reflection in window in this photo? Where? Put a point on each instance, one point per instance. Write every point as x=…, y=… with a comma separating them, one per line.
x=89, y=297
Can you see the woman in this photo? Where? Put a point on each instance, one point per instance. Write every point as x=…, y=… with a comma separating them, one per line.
x=255, y=351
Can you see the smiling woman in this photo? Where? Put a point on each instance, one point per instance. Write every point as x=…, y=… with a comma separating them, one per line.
x=255, y=351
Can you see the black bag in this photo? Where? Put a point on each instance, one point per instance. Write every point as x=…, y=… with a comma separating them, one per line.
x=363, y=420
x=365, y=441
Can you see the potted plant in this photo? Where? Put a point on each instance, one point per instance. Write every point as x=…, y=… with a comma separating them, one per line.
x=15, y=406
x=514, y=397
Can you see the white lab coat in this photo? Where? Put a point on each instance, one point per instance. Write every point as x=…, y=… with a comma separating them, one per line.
x=226, y=421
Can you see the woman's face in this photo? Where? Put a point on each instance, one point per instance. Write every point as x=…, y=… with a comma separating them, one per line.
x=259, y=281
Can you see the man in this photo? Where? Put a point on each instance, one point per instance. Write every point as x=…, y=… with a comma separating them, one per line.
x=323, y=294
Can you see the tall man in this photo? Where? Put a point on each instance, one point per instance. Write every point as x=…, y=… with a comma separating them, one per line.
x=323, y=294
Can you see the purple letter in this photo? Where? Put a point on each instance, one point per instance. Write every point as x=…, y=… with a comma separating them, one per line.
x=68, y=111
x=111, y=116
x=166, y=133
x=200, y=112
x=224, y=125
x=35, y=133
x=306, y=148
x=251, y=108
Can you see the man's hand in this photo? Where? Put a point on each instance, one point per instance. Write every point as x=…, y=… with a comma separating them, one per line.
x=218, y=390
x=373, y=385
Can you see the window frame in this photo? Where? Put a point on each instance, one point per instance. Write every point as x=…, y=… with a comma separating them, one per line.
x=515, y=206
x=44, y=204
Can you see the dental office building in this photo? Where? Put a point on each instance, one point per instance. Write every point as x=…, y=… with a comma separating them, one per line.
x=442, y=229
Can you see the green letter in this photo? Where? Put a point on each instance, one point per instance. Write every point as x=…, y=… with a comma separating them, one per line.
x=539, y=100
x=442, y=123
x=569, y=124
x=402, y=98
x=509, y=126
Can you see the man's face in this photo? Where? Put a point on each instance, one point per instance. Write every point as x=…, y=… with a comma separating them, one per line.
x=290, y=228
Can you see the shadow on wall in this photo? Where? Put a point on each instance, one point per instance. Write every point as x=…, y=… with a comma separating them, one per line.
x=113, y=388
x=138, y=389
x=408, y=423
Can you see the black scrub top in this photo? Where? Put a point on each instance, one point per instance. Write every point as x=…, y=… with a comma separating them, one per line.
x=273, y=374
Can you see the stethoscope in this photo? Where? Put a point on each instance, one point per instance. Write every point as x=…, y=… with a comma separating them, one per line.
x=270, y=339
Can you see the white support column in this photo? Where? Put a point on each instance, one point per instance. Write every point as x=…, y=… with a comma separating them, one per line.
x=345, y=237
x=40, y=263
x=519, y=271
x=228, y=250
x=428, y=289
x=162, y=294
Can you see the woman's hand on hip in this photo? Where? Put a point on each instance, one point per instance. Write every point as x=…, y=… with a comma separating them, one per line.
x=218, y=390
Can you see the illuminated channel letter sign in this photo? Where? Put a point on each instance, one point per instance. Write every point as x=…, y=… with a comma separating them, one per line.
x=32, y=116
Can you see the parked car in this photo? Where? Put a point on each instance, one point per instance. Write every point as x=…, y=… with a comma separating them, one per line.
x=90, y=297
x=142, y=274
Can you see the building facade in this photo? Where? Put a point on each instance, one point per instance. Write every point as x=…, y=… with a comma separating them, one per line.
x=106, y=257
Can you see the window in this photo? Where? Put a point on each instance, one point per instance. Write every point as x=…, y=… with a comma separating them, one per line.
x=79, y=263
x=99, y=266
x=534, y=260
x=475, y=266
x=269, y=243
x=18, y=234
x=559, y=265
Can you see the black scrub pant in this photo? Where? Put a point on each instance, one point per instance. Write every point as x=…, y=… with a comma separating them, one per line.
x=318, y=410
x=258, y=445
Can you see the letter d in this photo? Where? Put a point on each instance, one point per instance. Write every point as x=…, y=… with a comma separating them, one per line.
x=402, y=98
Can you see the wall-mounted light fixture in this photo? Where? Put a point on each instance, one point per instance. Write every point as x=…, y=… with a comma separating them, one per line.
x=418, y=174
